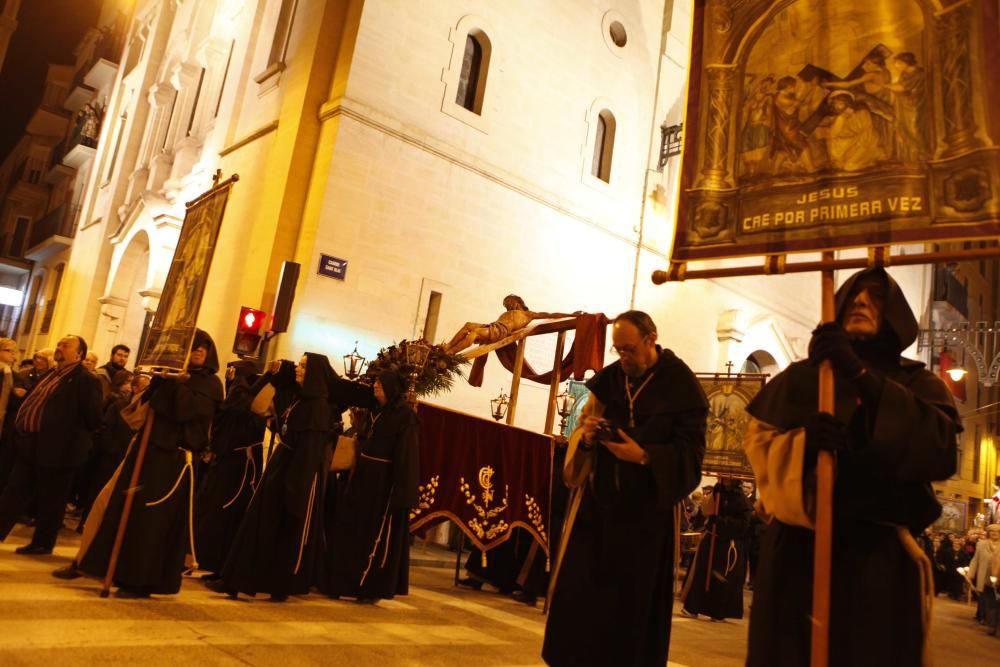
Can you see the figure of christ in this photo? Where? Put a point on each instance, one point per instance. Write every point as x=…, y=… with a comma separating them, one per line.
x=789, y=141
x=516, y=317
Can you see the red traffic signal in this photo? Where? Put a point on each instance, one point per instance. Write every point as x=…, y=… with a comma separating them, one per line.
x=251, y=320
x=248, y=331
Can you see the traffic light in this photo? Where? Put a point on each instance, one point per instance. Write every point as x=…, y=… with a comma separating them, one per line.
x=248, y=331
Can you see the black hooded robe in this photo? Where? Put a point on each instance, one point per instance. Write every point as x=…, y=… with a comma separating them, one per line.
x=369, y=536
x=613, y=595
x=882, y=496
x=730, y=526
x=158, y=531
x=279, y=546
x=237, y=465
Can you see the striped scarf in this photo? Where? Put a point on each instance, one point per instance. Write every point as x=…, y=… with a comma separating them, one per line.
x=29, y=417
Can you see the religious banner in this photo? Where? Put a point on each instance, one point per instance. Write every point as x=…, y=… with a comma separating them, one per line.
x=817, y=125
x=173, y=328
x=728, y=396
x=485, y=476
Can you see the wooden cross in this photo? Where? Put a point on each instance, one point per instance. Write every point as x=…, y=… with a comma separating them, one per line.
x=729, y=368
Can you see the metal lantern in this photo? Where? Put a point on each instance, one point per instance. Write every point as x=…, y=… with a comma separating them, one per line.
x=416, y=352
x=498, y=406
x=564, y=406
x=354, y=363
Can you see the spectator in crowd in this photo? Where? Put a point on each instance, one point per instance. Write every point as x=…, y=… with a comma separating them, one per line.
x=90, y=362
x=54, y=426
x=981, y=568
x=117, y=362
x=12, y=391
x=41, y=363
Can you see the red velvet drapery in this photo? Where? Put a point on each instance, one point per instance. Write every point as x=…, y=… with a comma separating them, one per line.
x=485, y=476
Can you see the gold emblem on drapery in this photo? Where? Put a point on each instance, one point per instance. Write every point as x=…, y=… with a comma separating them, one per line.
x=485, y=525
x=428, y=494
x=536, y=516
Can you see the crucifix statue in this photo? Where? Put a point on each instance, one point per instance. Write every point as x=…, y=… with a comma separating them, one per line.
x=516, y=317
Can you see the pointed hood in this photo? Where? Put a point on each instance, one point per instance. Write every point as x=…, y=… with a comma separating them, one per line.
x=899, y=326
x=202, y=339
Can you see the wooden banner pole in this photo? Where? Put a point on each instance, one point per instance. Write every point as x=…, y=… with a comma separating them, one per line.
x=824, y=499
x=711, y=545
x=828, y=263
x=127, y=507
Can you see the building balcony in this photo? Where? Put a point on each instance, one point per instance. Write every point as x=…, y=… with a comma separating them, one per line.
x=950, y=297
x=52, y=233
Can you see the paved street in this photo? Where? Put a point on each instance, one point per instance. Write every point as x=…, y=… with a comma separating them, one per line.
x=46, y=621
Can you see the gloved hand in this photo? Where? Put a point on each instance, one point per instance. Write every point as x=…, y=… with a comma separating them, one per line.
x=824, y=433
x=155, y=383
x=830, y=341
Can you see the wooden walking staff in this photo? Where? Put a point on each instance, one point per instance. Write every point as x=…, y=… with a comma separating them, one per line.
x=822, y=555
x=127, y=507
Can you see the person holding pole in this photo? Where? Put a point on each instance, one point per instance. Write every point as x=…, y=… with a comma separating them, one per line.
x=893, y=432
x=635, y=454
x=156, y=505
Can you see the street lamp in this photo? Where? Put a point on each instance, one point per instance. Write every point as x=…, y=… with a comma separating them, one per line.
x=416, y=353
x=354, y=363
x=979, y=340
x=956, y=373
x=498, y=406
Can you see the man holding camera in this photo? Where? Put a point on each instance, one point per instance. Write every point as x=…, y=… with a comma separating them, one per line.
x=636, y=453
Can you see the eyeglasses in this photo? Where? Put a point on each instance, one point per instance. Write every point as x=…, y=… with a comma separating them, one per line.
x=630, y=349
x=8, y=349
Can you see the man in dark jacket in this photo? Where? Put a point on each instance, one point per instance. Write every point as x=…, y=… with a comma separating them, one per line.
x=892, y=433
x=53, y=432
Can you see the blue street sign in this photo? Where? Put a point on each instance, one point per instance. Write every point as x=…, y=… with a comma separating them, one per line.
x=333, y=267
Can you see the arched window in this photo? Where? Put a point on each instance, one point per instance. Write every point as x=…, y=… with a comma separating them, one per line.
x=29, y=319
x=604, y=146
x=475, y=65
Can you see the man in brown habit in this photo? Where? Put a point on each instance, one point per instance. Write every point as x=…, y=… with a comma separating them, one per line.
x=893, y=432
x=636, y=453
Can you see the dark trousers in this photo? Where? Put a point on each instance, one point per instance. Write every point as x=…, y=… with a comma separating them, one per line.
x=48, y=487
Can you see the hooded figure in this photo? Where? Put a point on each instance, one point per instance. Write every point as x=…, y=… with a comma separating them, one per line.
x=893, y=432
x=236, y=466
x=278, y=548
x=159, y=530
x=369, y=537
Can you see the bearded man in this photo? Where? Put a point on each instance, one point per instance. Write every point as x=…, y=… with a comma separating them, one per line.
x=635, y=454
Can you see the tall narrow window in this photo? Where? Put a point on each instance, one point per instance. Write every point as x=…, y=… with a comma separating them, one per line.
x=194, y=105
x=604, y=146
x=472, y=78
x=20, y=234
x=433, y=312
x=29, y=319
x=225, y=76
x=170, y=121
x=50, y=306
x=279, y=45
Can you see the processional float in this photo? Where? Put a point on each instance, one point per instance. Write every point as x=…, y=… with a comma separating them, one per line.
x=864, y=125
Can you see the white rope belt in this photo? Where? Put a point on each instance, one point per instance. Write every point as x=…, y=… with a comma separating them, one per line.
x=188, y=468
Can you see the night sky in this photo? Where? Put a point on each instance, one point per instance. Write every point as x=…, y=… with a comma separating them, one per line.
x=47, y=33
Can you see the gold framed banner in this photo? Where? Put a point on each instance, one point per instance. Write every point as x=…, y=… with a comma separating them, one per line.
x=728, y=396
x=172, y=332
x=814, y=125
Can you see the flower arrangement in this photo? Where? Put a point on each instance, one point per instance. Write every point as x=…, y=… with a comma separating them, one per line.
x=438, y=373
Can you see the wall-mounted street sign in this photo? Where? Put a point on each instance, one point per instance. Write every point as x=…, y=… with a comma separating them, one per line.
x=332, y=267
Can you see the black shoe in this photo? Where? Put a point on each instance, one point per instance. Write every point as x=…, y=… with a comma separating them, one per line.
x=525, y=597
x=469, y=582
x=33, y=550
x=278, y=598
x=219, y=586
x=367, y=601
x=131, y=593
x=68, y=572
